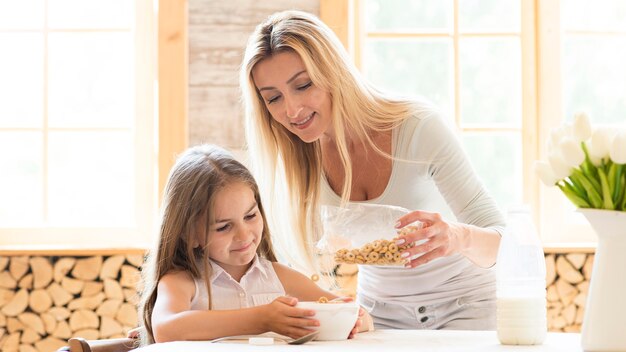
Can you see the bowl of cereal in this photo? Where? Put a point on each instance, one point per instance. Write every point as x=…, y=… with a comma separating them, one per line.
x=336, y=318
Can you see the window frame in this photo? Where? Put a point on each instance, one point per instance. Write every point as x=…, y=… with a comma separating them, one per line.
x=161, y=76
x=541, y=104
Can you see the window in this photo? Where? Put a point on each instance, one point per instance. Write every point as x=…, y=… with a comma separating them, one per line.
x=77, y=122
x=504, y=73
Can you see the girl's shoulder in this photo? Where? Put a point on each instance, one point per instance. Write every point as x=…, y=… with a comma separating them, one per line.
x=281, y=268
x=178, y=278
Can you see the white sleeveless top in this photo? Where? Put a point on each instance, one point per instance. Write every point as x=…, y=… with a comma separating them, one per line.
x=259, y=285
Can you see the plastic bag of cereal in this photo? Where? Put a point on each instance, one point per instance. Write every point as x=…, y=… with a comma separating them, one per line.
x=364, y=234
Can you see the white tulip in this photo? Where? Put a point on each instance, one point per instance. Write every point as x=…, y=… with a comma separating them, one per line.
x=618, y=148
x=560, y=168
x=600, y=143
x=545, y=173
x=581, y=128
x=557, y=135
x=572, y=152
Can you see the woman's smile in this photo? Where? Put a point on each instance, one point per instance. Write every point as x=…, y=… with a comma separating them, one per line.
x=303, y=123
x=291, y=96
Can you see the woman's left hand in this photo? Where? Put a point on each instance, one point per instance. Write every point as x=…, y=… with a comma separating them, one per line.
x=442, y=238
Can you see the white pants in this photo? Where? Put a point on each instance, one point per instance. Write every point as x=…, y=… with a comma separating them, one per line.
x=472, y=312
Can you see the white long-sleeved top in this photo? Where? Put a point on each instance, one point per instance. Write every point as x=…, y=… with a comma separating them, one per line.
x=430, y=172
x=259, y=285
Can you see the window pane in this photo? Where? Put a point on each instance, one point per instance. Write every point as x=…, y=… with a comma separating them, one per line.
x=489, y=15
x=21, y=14
x=490, y=81
x=412, y=67
x=21, y=179
x=21, y=82
x=594, y=77
x=497, y=159
x=408, y=14
x=91, y=80
x=90, y=14
x=91, y=179
x=593, y=15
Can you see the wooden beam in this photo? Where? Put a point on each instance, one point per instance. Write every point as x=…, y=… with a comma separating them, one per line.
x=173, y=46
x=336, y=14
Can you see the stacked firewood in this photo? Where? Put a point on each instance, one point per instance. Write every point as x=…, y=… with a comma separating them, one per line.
x=46, y=300
x=567, y=280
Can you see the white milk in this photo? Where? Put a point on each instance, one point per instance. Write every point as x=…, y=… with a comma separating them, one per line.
x=521, y=320
x=521, y=286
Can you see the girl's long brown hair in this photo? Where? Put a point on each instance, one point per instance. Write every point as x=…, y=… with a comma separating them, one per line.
x=198, y=174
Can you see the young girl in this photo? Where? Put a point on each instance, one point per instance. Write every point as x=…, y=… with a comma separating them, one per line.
x=214, y=272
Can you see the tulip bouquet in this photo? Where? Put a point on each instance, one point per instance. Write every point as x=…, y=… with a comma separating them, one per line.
x=588, y=165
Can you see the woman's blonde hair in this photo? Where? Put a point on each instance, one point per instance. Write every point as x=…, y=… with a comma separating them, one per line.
x=285, y=165
x=198, y=174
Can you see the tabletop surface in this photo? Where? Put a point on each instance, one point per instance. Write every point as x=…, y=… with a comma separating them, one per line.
x=388, y=340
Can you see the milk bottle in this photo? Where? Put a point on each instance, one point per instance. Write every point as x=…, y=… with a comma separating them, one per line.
x=521, y=283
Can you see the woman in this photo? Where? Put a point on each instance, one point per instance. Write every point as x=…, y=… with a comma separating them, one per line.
x=319, y=134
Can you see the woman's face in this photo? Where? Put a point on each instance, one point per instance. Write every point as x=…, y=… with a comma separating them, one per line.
x=237, y=229
x=291, y=98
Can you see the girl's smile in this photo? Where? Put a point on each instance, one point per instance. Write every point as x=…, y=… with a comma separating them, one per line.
x=244, y=248
x=237, y=227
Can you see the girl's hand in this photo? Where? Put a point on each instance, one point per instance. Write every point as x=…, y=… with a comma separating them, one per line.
x=442, y=238
x=282, y=317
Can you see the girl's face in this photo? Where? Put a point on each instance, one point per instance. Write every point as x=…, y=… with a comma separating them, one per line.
x=237, y=229
x=291, y=98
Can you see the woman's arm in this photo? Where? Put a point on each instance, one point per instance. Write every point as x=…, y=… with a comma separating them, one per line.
x=173, y=319
x=476, y=235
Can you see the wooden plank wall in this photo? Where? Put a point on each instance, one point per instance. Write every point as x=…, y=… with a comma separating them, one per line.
x=218, y=31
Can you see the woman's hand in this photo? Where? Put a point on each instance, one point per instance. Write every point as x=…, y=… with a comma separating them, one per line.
x=363, y=323
x=442, y=238
x=282, y=317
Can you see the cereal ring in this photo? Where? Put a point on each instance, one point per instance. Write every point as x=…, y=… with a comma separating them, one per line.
x=393, y=248
x=383, y=249
x=373, y=256
x=315, y=277
x=322, y=299
x=376, y=245
x=388, y=255
x=397, y=257
x=350, y=256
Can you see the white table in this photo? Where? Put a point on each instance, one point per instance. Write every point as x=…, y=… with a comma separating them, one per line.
x=389, y=340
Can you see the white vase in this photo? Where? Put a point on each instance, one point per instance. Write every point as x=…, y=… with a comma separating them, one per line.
x=604, y=324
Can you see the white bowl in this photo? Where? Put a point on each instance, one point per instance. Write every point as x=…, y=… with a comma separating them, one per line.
x=336, y=319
